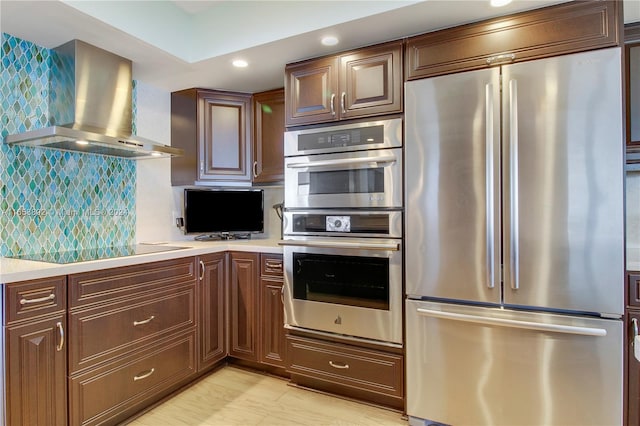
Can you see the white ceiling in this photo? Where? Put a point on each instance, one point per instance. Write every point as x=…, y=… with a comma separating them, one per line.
x=180, y=44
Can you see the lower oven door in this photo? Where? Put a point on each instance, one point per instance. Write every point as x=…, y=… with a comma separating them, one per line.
x=347, y=286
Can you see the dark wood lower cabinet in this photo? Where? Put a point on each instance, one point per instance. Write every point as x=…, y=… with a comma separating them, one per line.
x=36, y=373
x=243, y=316
x=34, y=358
x=365, y=373
x=212, y=326
x=101, y=346
x=113, y=392
x=273, y=344
x=132, y=335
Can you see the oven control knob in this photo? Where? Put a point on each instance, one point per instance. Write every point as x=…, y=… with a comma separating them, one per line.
x=337, y=223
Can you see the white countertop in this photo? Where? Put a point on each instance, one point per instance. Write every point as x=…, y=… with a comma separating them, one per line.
x=12, y=270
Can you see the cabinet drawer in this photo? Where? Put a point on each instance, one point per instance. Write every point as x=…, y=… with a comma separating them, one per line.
x=30, y=299
x=112, y=393
x=271, y=264
x=122, y=283
x=357, y=368
x=100, y=334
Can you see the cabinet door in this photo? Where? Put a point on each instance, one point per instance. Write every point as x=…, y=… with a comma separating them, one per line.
x=371, y=81
x=569, y=27
x=212, y=346
x=224, y=139
x=633, y=372
x=268, y=136
x=36, y=373
x=243, y=290
x=273, y=343
x=311, y=89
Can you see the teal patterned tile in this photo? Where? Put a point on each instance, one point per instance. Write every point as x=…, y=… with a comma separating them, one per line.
x=54, y=200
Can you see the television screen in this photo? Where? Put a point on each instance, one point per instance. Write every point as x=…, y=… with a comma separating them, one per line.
x=215, y=211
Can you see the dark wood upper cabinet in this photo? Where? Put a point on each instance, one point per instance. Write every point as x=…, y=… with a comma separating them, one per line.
x=214, y=130
x=362, y=83
x=632, y=92
x=555, y=30
x=310, y=89
x=268, y=136
x=371, y=81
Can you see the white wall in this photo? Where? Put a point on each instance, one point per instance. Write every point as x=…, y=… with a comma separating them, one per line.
x=158, y=204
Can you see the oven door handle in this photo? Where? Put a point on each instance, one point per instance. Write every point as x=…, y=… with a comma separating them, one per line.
x=343, y=245
x=383, y=159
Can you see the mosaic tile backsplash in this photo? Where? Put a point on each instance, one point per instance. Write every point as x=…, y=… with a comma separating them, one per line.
x=53, y=200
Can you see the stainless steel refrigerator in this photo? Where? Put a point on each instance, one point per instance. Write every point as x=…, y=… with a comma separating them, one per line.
x=514, y=244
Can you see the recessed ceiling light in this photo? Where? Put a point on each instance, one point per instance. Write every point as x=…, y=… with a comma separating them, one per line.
x=498, y=3
x=240, y=63
x=82, y=142
x=329, y=40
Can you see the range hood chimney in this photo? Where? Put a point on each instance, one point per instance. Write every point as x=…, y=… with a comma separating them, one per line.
x=90, y=106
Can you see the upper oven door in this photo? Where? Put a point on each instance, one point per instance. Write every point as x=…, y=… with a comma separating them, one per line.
x=347, y=137
x=344, y=180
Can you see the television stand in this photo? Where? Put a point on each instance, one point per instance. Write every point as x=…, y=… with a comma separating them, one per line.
x=223, y=236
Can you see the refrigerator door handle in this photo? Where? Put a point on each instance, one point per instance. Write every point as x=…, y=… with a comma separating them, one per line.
x=490, y=198
x=513, y=145
x=526, y=325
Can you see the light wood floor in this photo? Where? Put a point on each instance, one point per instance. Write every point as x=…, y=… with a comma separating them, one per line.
x=233, y=396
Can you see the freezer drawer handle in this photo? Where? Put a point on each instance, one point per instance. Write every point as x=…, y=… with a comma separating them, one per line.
x=527, y=325
x=506, y=57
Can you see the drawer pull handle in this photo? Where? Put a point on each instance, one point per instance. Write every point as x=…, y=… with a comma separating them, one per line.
x=341, y=366
x=147, y=321
x=24, y=301
x=201, y=271
x=143, y=375
x=60, y=345
x=274, y=265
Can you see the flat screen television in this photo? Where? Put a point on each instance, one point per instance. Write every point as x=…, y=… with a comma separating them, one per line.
x=223, y=212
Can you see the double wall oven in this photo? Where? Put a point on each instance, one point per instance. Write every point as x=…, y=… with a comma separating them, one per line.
x=342, y=230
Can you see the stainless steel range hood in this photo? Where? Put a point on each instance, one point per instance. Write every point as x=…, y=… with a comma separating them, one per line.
x=90, y=106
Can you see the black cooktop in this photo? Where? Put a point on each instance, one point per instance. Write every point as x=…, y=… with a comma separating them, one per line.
x=83, y=255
